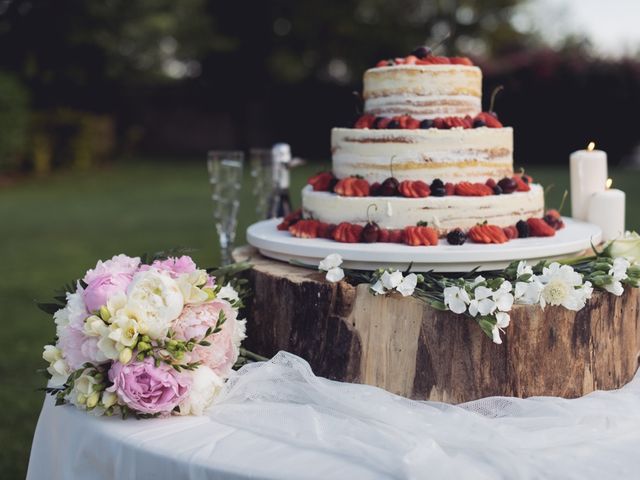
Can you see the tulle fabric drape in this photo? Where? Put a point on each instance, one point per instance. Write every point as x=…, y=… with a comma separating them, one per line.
x=596, y=436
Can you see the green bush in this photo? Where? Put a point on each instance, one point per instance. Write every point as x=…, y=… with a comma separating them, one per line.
x=14, y=120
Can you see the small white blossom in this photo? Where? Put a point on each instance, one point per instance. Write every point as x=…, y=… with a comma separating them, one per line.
x=377, y=288
x=524, y=269
x=456, y=299
x=408, y=285
x=58, y=368
x=482, y=302
x=330, y=261
x=228, y=293
x=334, y=274
x=191, y=285
x=391, y=280
x=502, y=322
x=618, y=272
x=562, y=285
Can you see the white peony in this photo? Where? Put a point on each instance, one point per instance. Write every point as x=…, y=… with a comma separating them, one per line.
x=158, y=300
x=456, y=299
x=205, y=386
x=58, y=368
x=74, y=312
x=618, y=272
x=191, y=285
x=562, y=285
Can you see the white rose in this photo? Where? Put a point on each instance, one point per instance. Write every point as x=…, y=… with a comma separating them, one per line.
x=204, y=388
x=58, y=368
x=628, y=247
x=159, y=299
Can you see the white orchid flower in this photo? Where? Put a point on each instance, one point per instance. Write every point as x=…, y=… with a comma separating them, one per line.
x=456, y=299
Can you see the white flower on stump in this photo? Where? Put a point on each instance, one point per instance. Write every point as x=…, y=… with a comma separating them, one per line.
x=331, y=265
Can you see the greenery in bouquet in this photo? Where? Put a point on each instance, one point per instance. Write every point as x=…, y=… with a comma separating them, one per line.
x=145, y=336
x=488, y=298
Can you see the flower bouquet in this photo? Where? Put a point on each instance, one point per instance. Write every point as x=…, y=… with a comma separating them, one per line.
x=147, y=338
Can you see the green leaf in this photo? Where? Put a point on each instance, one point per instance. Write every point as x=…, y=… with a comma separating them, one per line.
x=49, y=308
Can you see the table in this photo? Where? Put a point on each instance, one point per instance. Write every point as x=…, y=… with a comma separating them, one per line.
x=277, y=420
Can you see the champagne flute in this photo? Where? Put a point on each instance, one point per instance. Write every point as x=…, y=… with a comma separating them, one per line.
x=225, y=177
x=263, y=182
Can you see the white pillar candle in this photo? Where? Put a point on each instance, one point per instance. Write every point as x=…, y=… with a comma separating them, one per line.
x=606, y=209
x=588, y=176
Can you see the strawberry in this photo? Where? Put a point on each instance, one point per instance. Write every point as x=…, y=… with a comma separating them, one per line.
x=352, y=187
x=468, y=121
x=484, y=233
x=521, y=185
x=347, y=233
x=400, y=60
x=325, y=230
x=365, y=121
x=323, y=182
x=414, y=189
x=384, y=63
x=413, y=124
x=489, y=120
x=420, y=235
x=511, y=232
x=539, y=228
x=290, y=219
x=383, y=123
x=410, y=59
x=491, y=183
x=439, y=60
x=449, y=188
x=402, y=120
x=305, y=229
x=440, y=123
x=467, y=189
x=396, y=236
x=383, y=235
x=461, y=61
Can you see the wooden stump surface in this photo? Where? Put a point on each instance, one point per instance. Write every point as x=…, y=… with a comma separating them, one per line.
x=408, y=348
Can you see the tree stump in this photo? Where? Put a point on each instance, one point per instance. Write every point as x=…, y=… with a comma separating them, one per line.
x=406, y=347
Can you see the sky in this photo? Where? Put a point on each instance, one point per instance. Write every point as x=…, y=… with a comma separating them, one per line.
x=612, y=25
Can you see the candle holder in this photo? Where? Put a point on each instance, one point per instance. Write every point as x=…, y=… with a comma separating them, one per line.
x=225, y=178
x=262, y=176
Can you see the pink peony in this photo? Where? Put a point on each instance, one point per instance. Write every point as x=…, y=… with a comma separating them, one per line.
x=175, y=266
x=118, y=264
x=223, y=352
x=146, y=388
x=103, y=287
x=77, y=348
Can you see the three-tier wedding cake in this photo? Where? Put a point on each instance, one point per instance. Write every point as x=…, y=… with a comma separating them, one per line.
x=423, y=162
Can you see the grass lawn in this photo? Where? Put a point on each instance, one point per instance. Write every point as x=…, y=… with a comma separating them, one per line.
x=53, y=229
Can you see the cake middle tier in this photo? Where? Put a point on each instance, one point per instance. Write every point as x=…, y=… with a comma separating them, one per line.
x=442, y=213
x=454, y=155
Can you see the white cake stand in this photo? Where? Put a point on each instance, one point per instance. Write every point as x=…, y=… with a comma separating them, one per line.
x=571, y=240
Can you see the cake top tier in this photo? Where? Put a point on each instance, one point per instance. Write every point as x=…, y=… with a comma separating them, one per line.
x=424, y=91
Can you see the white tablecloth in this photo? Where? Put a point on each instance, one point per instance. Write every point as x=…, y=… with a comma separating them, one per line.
x=277, y=420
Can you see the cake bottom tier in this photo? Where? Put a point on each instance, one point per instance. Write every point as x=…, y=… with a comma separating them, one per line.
x=443, y=213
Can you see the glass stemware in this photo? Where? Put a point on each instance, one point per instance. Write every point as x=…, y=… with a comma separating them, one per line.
x=263, y=179
x=225, y=177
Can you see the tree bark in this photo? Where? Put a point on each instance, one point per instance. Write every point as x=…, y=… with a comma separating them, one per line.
x=406, y=347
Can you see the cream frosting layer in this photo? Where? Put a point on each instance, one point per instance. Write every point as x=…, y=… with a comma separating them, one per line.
x=443, y=213
x=424, y=91
x=453, y=155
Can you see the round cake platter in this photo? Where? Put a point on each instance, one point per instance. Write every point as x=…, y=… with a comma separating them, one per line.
x=576, y=237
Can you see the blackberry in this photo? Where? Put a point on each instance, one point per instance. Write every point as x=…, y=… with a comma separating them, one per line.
x=393, y=124
x=479, y=123
x=437, y=188
x=426, y=123
x=497, y=190
x=523, y=229
x=456, y=237
x=376, y=122
x=422, y=52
